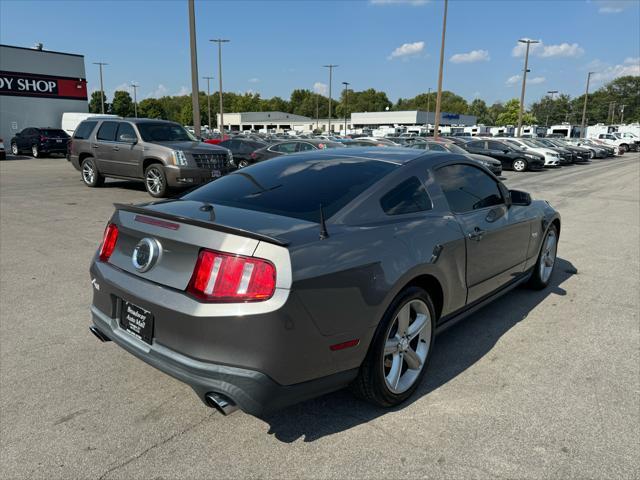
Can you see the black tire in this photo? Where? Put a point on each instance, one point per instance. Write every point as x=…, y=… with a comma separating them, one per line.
x=519, y=165
x=90, y=174
x=155, y=181
x=624, y=147
x=14, y=148
x=539, y=278
x=371, y=385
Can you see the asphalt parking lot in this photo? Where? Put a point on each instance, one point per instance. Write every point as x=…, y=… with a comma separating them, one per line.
x=537, y=385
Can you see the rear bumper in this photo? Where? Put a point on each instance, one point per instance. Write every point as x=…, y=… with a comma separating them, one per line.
x=261, y=361
x=254, y=392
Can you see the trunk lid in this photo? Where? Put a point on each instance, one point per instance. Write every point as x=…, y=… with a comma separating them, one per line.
x=183, y=227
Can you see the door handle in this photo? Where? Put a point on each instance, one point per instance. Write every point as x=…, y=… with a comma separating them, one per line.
x=116, y=149
x=95, y=146
x=476, y=235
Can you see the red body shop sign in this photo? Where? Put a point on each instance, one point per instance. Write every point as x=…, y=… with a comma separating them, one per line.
x=32, y=85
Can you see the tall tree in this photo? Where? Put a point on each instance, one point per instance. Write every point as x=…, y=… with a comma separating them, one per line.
x=550, y=111
x=510, y=114
x=479, y=109
x=95, y=104
x=122, y=104
x=151, y=108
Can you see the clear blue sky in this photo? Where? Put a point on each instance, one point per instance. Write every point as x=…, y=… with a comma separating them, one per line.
x=277, y=46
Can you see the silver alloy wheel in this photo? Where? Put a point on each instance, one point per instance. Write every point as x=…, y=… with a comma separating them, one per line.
x=548, y=256
x=154, y=181
x=407, y=345
x=243, y=164
x=519, y=165
x=14, y=149
x=88, y=173
x=34, y=151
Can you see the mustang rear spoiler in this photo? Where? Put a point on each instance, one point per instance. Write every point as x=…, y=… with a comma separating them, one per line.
x=199, y=223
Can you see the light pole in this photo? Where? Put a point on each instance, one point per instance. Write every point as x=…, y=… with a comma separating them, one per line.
x=524, y=80
x=346, y=93
x=220, y=41
x=135, y=86
x=622, y=113
x=552, y=93
x=317, y=109
x=436, y=122
x=584, y=107
x=428, y=106
x=195, y=94
x=101, y=87
x=208, y=100
x=330, y=67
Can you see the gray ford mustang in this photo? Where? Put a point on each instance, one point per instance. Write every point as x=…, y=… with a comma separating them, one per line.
x=311, y=272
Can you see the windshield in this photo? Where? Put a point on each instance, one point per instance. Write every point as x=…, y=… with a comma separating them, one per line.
x=164, y=132
x=270, y=186
x=529, y=143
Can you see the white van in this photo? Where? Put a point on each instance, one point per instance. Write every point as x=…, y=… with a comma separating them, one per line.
x=70, y=120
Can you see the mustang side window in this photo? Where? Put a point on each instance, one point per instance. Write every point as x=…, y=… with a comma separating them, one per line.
x=409, y=196
x=468, y=188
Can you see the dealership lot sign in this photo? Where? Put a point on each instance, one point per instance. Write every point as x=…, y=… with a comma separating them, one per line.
x=32, y=85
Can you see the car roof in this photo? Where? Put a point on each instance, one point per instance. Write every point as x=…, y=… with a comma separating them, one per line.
x=397, y=155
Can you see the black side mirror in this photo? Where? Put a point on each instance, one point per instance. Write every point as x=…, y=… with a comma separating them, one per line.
x=505, y=194
x=519, y=197
x=505, y=151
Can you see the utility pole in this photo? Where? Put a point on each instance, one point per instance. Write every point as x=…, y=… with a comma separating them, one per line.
x=622, y=113
x=317, y=110
x=346, y=93
x=612, y=105
x=439, y=96
x=428, y=105
x=101, y=85
x=330, y=67
x=524, y=81
x=208, y=99
x=584, y=107
x=195, y=97
x=550, y=92
x=220, y=41
x=135, y=86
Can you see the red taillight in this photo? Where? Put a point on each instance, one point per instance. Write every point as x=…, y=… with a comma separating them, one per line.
x=108, y=242
x=253, y=155
x=221, y=277
x=43, y=138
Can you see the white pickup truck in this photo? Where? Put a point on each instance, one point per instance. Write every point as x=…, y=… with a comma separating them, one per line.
x=611, y=139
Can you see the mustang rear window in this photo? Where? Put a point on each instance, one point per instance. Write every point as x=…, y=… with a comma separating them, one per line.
x=293, y=187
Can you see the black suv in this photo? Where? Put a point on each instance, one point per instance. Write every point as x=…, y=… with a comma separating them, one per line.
x=511, y=158
x=160, y=153
x=40, y=141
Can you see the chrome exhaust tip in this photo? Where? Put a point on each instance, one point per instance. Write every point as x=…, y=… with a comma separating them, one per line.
x=223, y=404
x=101, y=336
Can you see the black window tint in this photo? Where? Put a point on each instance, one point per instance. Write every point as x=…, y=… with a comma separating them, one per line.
x=125, y=129
x=434, y=147
x=498, y=146
x=408, y=197
x=475, y=145
x=83, y=131
x=107, y=131
x=293, y=187
x=54, y=132
x=303, y=147
x=468, y=188
x=285, y=147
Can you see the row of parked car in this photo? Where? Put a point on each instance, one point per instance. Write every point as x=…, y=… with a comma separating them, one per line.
x=164, y=155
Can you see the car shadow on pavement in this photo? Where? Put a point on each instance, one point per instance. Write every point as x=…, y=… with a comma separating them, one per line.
x=457, y=349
